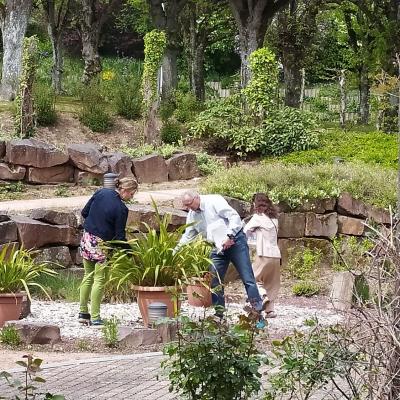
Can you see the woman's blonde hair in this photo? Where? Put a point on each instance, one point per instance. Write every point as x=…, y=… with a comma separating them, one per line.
x=127, y=183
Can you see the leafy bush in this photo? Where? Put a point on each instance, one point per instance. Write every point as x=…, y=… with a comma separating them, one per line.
x=207, y=164
x=294, y=184
x=110, y=332
x=128, y=98
x=306, y=288
x=45, y=101
x=187, y=106
x=171, y=132
x=289, y=129
x=369, y=147
x=11, y=191
x=303, y=264
x=165, y=150
x=167, y=108
x=10, y=336
x=94, y=113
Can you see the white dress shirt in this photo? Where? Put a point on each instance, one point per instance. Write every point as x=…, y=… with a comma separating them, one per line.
x=213, y=207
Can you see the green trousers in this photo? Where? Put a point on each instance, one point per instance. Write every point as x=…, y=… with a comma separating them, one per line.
x=92, y=287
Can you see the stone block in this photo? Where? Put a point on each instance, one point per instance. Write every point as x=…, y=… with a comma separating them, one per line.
x=342, y=290
x=85, y=178
x=36, y=234
x=57, y=174
x=36, y=332
x=291, y=225
x=350, y=226
x=58, y=255
x=76, y=256
x=242, y=207
x=55, y=217
x=121, y=164
x=136, y=337
x=150, y=169
x=34, y=153
x=2, y=149
x=11, y=172
x=88, y=157
x=8, y=232
x=182, y=166
x=321, y=225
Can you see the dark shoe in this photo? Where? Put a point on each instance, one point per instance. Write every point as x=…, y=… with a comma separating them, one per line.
x=270, y=314
x=84, y=318
x=97, y=322
x=265, y=301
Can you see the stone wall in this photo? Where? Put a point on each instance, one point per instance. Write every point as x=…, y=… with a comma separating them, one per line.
x=37, y=162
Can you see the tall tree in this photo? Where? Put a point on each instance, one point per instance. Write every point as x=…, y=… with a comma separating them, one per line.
x=14, y=17
x=164, y=15
x=296, y=30
x=56, y=13
x=252, y=19
x=93, y=14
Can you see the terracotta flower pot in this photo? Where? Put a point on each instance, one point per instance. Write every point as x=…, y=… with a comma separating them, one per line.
x=10, y=307
x=198, y=293
x=146, y=295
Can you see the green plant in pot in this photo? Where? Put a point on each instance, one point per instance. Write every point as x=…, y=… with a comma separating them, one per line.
x=18, y=273
x=154, y=265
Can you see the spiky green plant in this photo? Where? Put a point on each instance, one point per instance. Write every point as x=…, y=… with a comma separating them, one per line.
x=19, y=271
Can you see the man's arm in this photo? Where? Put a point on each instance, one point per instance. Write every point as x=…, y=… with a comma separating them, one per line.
x=224, y=210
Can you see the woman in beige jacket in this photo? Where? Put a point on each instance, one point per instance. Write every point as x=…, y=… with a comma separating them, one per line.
x=264, y=226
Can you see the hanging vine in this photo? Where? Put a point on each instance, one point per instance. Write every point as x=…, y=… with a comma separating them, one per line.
x=25, y=117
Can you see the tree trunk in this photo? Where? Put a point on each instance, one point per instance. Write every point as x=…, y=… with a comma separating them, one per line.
x=198, y=73
x=303, y=86
x=58, y=62
x=169, y=71
x=14, y=20
x=90, y=53
x=248, y=44
x=343, y=99
x=364, y=88
x=292, y=77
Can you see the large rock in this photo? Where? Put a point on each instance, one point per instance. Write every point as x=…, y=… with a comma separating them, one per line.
x=150, y=169
x=76, y=256
x=182, y=166
x=59, y=255
x=2, y=149
x=143, y=213
x=10, y=172
x=242, y=207
x=348, y=205
x=85, y=178
x=319, y=206
x=58, y=174
x=36, y=332
x=121, y=164
x=136, y=337
x=10, y=246
x=291, y=225
x=321, y=225
x=88, y=157
x=55, y=217
x=34, y=153
x=36, y=234
x=350, y=226
x=8, y=232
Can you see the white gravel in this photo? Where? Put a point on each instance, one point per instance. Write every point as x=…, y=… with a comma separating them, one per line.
x=65, y=315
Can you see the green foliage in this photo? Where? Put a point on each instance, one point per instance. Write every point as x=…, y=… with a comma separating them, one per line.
x=187, y=106
x=294, y=184
x=306, y=362
x=110, y=331
x=370, y=147
x=165, y=150
x=45, y=102
x=262, y=89
x=289, y=129
x=128, y=98
x=94, y=113
x=306, y=288
x=19, y=271
x=10, y=336
x=171, y=132
x=11, y=191
x=214, y=361
x=207, y=164
x=61, y=191
x=303, y=264
x=155, y=43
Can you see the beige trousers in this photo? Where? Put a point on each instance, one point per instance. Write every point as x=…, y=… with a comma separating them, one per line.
x=267, y=272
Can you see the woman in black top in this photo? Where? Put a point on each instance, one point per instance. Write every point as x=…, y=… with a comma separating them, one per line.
x=105, y=219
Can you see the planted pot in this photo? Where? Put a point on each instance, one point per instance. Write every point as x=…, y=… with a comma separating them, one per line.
x=146, y=295
x=199, y=293
x=10, y=307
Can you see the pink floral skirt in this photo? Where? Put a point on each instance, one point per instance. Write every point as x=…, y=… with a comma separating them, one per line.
x=90, y=248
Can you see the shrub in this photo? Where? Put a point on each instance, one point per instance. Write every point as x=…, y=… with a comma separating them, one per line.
x=167, y=108
x=289, y=129
x=207, y=164
x=165, y=150
x=10, y=336
x=294, y=184
x=94, y=113
x=303, y=264
x=187, y=106
x=110, y=332
x=45, y=101
x=306, y=288
x=128, y=98
x=171, y=132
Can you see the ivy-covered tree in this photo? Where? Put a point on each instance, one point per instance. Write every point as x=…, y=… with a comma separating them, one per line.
x=56, y=12
x=252, y=19
x=14, y=17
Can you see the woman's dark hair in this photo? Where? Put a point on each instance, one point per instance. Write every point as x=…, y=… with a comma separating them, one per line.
x=261, y=204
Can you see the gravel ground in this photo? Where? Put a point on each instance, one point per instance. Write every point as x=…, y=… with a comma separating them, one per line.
x=290, y=316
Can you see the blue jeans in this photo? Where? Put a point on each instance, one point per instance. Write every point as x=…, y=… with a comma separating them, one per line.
x=238, y=254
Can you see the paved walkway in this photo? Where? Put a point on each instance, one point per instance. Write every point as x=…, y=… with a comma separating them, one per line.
x=126, y=377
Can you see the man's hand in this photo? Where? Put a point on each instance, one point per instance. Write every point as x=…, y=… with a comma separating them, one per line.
x=228, y=243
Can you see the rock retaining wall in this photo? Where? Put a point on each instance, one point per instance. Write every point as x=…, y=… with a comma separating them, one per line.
x=37, y=162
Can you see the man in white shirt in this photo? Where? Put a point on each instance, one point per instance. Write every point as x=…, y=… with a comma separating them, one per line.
x=213, y=218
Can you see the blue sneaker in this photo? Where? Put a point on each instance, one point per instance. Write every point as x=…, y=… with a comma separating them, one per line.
x=97, y=322
x=261, y=324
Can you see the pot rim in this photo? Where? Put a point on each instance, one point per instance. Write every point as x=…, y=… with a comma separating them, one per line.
x=17, y=294
x=153, y=288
